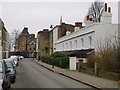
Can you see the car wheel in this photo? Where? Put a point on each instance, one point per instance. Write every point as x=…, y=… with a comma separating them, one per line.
x=13, y=81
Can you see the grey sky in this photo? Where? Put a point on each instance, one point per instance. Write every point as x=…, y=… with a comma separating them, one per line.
x=39, y=15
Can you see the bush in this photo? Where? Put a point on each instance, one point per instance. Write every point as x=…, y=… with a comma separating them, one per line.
x=57, y=54
x=46, y=59
x=64, y=62
x=107, y=60
x=60, y=59
x=91, y=61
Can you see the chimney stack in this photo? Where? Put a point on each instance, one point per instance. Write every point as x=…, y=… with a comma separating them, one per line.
x=89, y=20
x=107, y=15
x=32, y=35
x=78, y=24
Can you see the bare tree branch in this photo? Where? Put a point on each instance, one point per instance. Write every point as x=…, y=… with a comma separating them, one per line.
x=14, y=36
x=96, y=11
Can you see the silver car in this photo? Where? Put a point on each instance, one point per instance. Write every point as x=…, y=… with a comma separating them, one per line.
x=12, y=69
x=12, y=60
x=4, y=76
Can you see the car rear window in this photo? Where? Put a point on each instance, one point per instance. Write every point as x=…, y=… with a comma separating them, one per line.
x=9, y=64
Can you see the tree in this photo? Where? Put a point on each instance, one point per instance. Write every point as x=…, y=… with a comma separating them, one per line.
x=96, y=11
x=14, y=35
x=108, y=52
x=106, y=56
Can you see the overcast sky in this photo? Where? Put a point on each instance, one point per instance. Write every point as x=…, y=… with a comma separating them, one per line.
x=38, y=15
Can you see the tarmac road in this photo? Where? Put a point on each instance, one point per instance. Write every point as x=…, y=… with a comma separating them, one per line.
x=32, y=75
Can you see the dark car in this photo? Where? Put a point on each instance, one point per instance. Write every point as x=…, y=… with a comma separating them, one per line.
x=4, y=76
x=12, y=69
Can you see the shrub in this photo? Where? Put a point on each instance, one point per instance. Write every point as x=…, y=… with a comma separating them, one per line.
x=46, y=59
x=60, y=59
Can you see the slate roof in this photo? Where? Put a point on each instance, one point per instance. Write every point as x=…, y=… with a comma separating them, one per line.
x=32, y=39
x=24, y=32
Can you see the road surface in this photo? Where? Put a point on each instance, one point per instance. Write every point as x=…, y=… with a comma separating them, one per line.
x=32, y=75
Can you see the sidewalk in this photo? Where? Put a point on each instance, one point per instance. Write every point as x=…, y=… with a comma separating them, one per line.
x=90, y=80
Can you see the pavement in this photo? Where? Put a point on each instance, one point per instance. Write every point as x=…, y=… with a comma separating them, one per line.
x=93, y=81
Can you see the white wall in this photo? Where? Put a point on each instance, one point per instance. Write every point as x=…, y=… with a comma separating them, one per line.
x=76, y=39
x=105, y=32
x=98, y=33
x=55, y=38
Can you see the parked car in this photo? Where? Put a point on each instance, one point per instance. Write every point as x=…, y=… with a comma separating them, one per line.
x=12, y=60
x=12, y=69
x=1, y=87
x=4, y=76
x=21, y=57
x=15, y=58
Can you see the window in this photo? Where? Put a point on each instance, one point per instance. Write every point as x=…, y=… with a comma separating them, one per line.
x=70, y=45
x=75, y=43
x=90, y=40
x=46, y=49
x=66, y=45
x=82, y=40
x=63, y=46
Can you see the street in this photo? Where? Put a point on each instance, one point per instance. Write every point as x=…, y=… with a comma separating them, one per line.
x=32, y=75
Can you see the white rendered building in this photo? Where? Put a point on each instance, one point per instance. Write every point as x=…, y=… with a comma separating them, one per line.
x=86, y=39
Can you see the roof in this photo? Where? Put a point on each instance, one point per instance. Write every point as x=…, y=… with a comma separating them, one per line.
x=1, y=23
x=79, y=53
x=24, y=32
x=17, y=41
x=32, y=40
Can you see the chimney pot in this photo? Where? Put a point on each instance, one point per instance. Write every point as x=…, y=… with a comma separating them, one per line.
x=105, y=7
x=90, y=19
x=109, y=9
x=87, y=17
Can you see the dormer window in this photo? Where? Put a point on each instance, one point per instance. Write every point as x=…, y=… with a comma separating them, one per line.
x=32, y=43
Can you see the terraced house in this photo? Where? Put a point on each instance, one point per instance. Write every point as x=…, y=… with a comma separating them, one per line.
x=89, y=39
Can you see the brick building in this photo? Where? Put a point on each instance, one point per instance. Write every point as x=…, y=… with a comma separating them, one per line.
x=43, y=42
x=26, y=43
x=46, y=38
